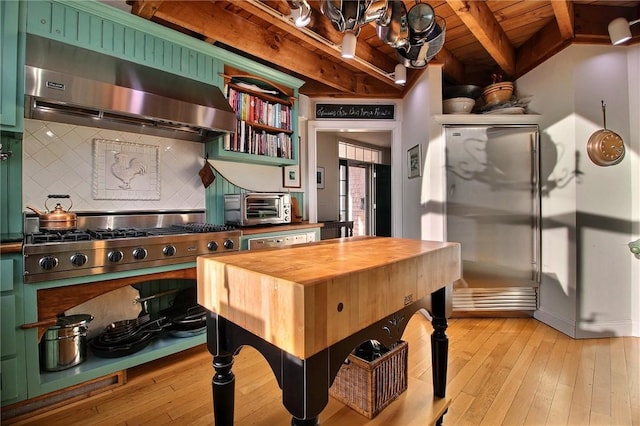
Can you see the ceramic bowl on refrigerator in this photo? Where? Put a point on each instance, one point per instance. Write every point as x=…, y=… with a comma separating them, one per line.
x=458, y=105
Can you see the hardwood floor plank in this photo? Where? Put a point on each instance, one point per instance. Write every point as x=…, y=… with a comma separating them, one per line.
x=580, y=409
x=620, y=404
x=458, y=408
x=542, y=340
x=544, y=394
x=559, y=410
x=501, y=371
x=601, y=395
x=632, y=357
x=504, y=398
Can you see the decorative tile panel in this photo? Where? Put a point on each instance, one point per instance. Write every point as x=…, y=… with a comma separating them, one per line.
x=58, y=159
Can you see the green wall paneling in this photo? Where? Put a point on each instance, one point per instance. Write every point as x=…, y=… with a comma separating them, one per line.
x=157, y=287
x=102, y=28
x=215, y=197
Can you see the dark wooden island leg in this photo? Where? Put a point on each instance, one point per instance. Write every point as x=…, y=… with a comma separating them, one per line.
x=223, y=386
x=439, y=343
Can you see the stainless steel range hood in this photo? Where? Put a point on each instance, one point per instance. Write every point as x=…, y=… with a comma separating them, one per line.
x=68, y=84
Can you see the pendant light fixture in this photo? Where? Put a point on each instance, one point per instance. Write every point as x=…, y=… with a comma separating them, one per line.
x=400, y=74
x=348, y=49
x=620, y=31
x=300, y=12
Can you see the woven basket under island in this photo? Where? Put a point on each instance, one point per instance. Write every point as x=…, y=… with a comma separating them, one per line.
x=369, y=386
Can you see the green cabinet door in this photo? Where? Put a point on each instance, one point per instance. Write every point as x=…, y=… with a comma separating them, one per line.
x=11, y=187
x=12, y=360
x=11, y=103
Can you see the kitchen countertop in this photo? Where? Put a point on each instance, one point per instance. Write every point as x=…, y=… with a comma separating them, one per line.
x=305, y=298
x=279, y=228
x=11, y=247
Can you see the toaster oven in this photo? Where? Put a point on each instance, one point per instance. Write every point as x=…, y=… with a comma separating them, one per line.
x=257, y=208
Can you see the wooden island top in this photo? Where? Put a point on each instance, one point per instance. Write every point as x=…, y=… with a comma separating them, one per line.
x=305, y=298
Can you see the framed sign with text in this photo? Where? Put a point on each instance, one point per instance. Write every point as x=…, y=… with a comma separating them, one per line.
x=355, y=111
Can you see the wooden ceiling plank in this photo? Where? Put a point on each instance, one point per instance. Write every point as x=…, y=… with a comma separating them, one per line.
x=483, y=25
x=563, y=10
x=452, y=68
x=217, y=23
x=544, y=44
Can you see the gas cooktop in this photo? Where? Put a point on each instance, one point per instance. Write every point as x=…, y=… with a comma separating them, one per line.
x=110, y=242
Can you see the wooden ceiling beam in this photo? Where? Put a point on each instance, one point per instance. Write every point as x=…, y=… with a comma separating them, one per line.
x=212, y=21
x=563, y=10
x=144, y=9
x=363, y=50
x=479, y=19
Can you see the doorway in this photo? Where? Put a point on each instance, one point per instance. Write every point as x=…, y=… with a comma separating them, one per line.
x=365, y=197
x=356, y=127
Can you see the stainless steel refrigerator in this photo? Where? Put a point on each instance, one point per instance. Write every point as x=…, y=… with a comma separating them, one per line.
x=493, y=210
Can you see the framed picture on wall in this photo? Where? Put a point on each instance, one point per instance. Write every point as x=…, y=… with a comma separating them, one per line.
x=320, y=177
x=291, y=176
x=414, y=162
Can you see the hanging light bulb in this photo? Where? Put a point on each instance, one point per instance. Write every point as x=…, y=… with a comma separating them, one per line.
x=300, y=12
x=620, y=31
x=400, y=74
x=348, y=45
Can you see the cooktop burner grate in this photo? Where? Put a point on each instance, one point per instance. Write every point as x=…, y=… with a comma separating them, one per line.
x=109, y=234
x=205, y=227
x=52, y=237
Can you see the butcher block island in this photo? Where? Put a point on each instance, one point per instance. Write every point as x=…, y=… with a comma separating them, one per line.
x=306, y=307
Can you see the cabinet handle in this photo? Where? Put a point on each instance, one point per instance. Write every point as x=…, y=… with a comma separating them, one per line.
x=4, y=155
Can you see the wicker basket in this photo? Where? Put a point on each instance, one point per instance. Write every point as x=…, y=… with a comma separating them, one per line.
x=369, y=386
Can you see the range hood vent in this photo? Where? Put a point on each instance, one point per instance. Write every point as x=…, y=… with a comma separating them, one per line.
x=68, y=84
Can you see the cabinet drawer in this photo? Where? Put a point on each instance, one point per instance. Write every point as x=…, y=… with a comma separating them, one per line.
x=8, y=317
x=6, y=274
x=9, y=374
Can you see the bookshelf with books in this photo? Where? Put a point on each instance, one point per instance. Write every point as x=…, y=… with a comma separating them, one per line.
x=266, y=124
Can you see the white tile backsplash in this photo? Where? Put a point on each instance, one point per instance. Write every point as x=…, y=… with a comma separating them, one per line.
x=58, y=159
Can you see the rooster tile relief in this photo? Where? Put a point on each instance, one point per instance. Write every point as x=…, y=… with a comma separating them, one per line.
x=125, y=171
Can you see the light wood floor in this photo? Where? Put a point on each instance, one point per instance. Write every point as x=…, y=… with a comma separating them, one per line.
x=501, y=371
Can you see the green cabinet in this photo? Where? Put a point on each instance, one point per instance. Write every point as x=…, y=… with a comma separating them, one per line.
x=12, y=358
x=11, y=54
x=11, y=187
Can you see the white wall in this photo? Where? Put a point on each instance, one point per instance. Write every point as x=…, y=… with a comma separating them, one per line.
x=587, y=267
x=423, y=207
x=590, y=284
x=634, y=153
x=328, y=196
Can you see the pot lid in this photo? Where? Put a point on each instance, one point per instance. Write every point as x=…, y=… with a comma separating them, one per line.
x=74, y=320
